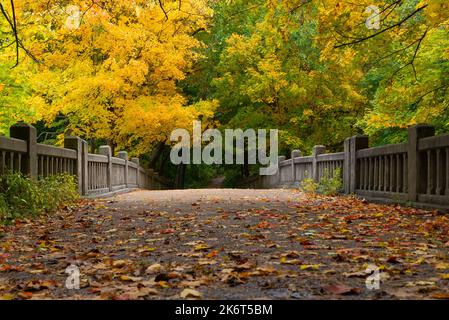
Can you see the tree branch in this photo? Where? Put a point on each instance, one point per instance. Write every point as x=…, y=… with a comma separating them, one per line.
x=163, y=10
x=397, y=24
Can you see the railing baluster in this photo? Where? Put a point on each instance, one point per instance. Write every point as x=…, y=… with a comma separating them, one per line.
x=365, y=166
x=368, y=174
x=47, y=165
x=398, y=173
x=19, y=162
x=392, y=173
x=97, y=171
x=404, y=173
x=429, y=172
x=386, y=174
x=39, y=166
x=381, y=173
x=94, y=174
x=362, y=174
x=439, y=173
x=91, y=176
x=2, y=162
x=11, y=161
x=447, y=171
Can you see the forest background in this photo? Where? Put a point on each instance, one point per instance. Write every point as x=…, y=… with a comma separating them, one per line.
x=128, y=72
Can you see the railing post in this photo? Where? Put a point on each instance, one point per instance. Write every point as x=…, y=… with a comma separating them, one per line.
x=124, y=155
x=317, y=150
x=27, y=133
x=106, y=151
x=278, y=174
x=357, y=142
x=295, y=154
x=137, y=161
x=81, y=148
x=85, y=170
x=347, y=167
x=416, y=170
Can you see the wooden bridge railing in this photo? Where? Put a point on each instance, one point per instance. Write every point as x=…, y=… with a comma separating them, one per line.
x=97, y=174
x=416, y=172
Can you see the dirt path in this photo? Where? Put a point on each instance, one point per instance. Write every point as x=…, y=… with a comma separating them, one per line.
x=216, y=183
x=227, y=244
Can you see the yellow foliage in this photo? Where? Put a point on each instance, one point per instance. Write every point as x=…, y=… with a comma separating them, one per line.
x=111, y=67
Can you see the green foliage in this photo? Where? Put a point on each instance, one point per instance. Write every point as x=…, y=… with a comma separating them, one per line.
x=57, y=191
x=308, y=185
x=331, y=186
x=4, y=209
x=199, y=176
x=328, y=185
x=13, y=95
x=311, y=69
x=22, y=197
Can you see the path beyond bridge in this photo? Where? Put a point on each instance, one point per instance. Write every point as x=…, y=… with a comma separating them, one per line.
x=227, y=244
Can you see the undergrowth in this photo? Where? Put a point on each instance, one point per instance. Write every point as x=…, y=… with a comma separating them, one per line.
x=21, y=197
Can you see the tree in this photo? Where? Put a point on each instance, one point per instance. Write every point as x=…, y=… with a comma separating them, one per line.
x=268, y=72
x=405, y=61
x=111, y=67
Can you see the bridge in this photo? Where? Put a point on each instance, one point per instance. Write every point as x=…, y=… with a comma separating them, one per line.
x=260, y=242
x=413, y=173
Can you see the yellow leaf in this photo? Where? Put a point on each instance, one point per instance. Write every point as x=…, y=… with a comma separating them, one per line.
x=202, y=247
x=310, y=267
x=284, y=260
x=7, y=296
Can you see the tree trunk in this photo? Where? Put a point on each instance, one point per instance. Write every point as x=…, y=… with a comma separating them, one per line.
x=245, y=164
x=156, y=154
x=162, y=164
x=180, y=176
x=92, y=145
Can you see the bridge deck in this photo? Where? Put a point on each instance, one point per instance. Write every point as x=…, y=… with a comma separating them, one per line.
x=227, y=244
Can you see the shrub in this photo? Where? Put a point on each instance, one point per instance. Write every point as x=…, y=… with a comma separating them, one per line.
x=19, y=194
x=328, y=185
x=308, y=185
x=4, y=210
x=22, y=197
x=56, y=191
x=331, y=186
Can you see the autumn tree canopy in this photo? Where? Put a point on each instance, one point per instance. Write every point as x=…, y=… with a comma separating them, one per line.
x=129, y=72
x=111, y=68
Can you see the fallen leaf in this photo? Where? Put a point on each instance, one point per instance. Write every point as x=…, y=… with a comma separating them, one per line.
x=342, y=289
x=202, y=247
x=190, y=293
x=119, y=263
x=153, y=269
x=441, y=295
x=310, y=267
